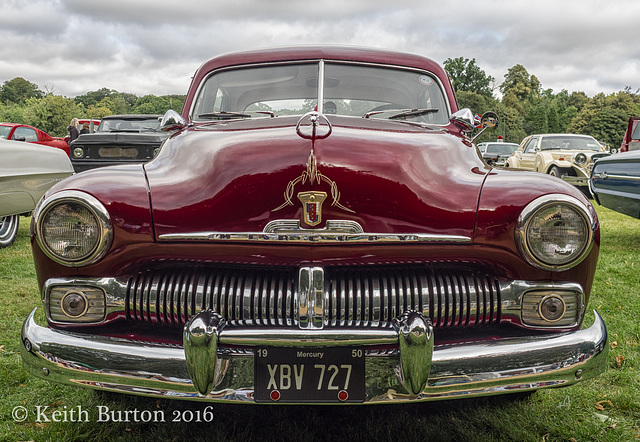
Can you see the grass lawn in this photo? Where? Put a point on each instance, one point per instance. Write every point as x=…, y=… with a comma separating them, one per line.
x=606, y=408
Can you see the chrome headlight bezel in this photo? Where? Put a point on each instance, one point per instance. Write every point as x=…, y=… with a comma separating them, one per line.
x=580, y=159
x=536, y=207
x=96, y=209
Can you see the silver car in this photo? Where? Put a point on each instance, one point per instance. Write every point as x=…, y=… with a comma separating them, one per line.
x=27, y=170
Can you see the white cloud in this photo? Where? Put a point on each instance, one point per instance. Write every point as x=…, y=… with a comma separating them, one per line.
x=154, y=46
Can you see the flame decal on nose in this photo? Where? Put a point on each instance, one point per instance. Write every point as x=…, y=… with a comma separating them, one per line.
x=314, y=176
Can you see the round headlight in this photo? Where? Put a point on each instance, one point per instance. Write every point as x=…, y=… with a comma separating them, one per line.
x=73, y=228
x=555, y=232
x=580, y=159
x=78, y=152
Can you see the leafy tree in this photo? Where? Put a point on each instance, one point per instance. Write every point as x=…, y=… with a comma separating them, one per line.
x=474, y=101
x=605, y=117
x=520, y=83
x=466, y=76
x=116, y=104
x=12, y=113
x=19, y=90
x=553, y=121
x=511, y=122
x=151, y=104
x=97, y=111
x=94, y=97
x=577, y=100
x=536, y=120
x=52, y=113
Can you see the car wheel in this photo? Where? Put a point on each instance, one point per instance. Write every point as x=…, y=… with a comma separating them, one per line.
x=556, y=171
x=8, y=230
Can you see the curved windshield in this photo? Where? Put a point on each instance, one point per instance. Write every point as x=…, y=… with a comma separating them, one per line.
x=569, y=142
x=349, y=89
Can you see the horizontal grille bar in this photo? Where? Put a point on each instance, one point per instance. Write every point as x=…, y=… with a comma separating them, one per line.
x=353, y=297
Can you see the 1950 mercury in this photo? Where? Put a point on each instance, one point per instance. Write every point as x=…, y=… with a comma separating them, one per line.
x=318, y=228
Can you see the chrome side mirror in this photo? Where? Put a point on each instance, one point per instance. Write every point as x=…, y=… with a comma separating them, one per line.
x=172, y=120
x=489, y=120
x=464, y=119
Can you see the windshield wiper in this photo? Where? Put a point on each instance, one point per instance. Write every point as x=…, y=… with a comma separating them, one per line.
x=413, y=112
x=224, y=115
x=399, y=113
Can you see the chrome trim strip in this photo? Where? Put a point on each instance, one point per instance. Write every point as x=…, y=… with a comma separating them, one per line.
x=462, y=370
x=336, y=231
x=605, y=175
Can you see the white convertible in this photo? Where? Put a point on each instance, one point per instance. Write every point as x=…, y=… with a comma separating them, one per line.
x=27, y=170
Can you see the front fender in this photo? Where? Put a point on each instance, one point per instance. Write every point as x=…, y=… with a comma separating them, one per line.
x=512, y=161
x=546, y=167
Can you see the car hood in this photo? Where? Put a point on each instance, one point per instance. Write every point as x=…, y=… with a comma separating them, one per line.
x=387, y=177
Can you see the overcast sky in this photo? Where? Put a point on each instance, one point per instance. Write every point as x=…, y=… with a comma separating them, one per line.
x=71, y=47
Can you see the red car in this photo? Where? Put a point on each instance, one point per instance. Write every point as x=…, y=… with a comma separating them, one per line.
x=318, y=228
x=631, y=139
x=22, y=132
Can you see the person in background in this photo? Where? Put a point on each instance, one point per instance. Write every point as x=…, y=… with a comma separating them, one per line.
x=85, y=129
x=73, y=130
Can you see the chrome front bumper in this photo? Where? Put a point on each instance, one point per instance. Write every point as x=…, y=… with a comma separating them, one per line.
x=461, y=370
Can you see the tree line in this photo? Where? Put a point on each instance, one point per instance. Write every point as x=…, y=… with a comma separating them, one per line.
x=524, y=107
x=23, y=102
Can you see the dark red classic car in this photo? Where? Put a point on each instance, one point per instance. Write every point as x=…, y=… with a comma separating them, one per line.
x=319, y=228
x=22, y=132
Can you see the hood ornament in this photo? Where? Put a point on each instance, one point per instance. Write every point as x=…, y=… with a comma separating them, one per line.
x=314, y=119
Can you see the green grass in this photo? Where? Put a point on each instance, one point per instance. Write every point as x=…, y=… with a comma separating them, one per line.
x=603, y=409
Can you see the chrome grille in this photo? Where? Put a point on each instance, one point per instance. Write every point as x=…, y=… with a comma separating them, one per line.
x=171, y=296
x=353, y=296
x=451, y=298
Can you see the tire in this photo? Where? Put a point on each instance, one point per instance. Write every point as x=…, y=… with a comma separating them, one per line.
x=8, y=230
x=557, y=172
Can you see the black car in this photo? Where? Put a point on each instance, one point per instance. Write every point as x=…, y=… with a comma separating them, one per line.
x=118, y=139
x=615, y=182
x=496, y=153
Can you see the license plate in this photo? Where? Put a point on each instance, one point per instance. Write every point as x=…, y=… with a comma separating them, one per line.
x=284, y=374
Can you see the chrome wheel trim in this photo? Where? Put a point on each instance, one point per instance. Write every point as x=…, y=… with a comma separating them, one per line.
x=8, y=229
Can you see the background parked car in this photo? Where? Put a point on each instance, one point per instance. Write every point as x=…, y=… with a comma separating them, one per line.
x=615, y=182
x=26, y=172
x=118, y=139
x=30, y=134
x=631, y=139
x=495, y=153
x=566, y=156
